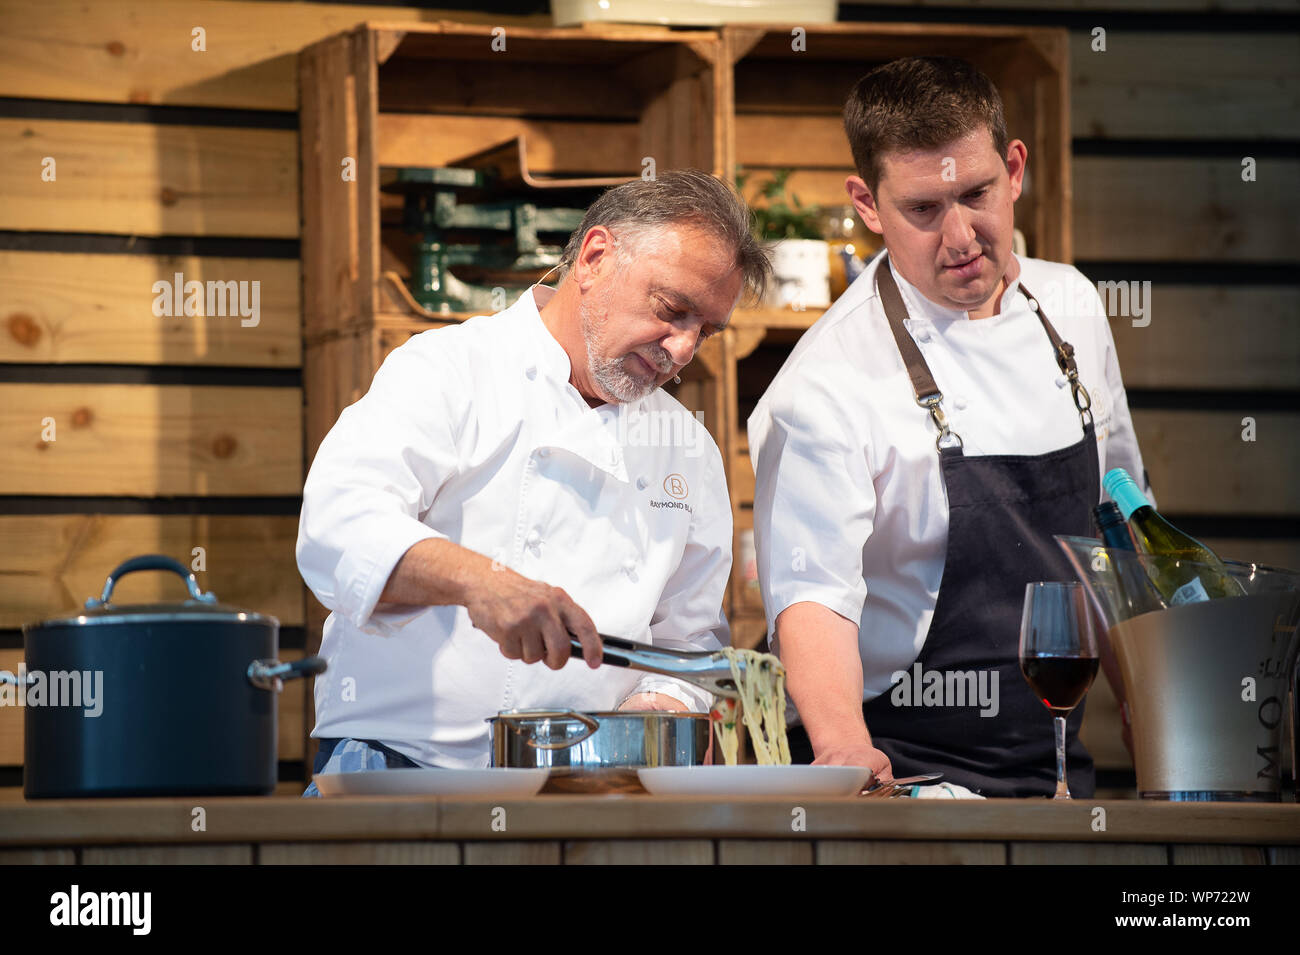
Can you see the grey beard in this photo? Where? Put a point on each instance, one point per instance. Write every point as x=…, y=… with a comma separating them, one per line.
x=608, y=373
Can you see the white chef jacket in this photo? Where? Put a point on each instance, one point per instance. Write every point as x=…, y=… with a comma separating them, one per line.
x=474, y=434
x=850, y=508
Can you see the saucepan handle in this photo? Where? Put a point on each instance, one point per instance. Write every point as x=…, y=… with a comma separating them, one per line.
x=271, y=674
x=150, y=562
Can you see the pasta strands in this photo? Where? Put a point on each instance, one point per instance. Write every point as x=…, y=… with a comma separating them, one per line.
x=760, y=680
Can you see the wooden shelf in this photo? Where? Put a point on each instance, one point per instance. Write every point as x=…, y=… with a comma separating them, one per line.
x=773, y=318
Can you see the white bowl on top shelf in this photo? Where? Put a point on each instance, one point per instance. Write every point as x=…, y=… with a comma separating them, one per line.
x=699, y=13
x=755, y=780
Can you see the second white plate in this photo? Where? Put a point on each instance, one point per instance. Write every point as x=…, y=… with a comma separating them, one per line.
x=755, y=780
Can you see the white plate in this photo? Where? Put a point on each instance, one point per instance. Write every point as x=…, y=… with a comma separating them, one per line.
x=755, y=780
x=433, y=782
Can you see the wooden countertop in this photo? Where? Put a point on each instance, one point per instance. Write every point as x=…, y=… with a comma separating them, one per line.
x=101, y=822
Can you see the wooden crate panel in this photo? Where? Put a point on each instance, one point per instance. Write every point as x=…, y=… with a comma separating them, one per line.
x=1193, y=85
x=142, y=179
x=882, y=852
x=358, y=853
x=1233, y=337
x=513, y=853
x=554, y=146
x=74, y=307
x=52, y=562
x=1081, y=853
x=1217, y=855
x=764, y=852
x=168, y=855
x=639, y=852
x=38, y=857
x=144, y=440
x=1199, y=463
x=1197, y=210
x=140, y=51
x=290, y=727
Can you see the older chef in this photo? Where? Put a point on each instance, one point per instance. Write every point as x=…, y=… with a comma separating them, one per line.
x=520, y=476
x=923, y=443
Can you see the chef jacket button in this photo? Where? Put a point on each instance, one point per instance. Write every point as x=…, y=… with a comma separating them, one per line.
x=543, y=452
x=641, y=483
x=534, y=538
x=1033, y=305
x=531, y=372
x=629, y=566
x=925, y=336
x=959, y=403
x=1062, y=381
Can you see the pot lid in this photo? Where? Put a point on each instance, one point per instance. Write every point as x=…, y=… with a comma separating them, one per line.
x=200, y=607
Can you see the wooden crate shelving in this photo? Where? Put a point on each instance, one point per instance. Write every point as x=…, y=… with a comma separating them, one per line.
x=597, y=101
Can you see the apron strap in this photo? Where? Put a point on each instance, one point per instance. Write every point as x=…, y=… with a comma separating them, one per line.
x=925, y=389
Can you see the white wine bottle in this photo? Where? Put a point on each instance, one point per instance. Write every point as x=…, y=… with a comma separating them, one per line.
x=1191, y=571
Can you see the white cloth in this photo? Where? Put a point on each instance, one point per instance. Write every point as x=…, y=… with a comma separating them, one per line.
x=473, y=434
x=850, y=509
x=943, y=791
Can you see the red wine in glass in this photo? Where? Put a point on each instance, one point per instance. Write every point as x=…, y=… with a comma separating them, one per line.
x=1058, y=655
x=1059, y=681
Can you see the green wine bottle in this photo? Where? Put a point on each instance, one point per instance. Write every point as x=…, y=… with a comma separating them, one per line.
x=1192, y=571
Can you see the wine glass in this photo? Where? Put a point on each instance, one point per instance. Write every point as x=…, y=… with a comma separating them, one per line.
x=1058, y=654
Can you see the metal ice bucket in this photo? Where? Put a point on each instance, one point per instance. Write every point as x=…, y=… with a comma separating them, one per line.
x=1207, y=683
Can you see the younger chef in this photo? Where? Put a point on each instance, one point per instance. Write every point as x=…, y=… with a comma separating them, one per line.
x=920, y=447
x=520, y=476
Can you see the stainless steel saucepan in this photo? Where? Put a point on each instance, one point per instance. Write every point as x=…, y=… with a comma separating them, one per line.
x=598, y=752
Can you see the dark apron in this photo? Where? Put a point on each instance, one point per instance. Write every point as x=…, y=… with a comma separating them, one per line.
x=1002, y=511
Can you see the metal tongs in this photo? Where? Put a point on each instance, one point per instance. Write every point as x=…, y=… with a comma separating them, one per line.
x=709, y=670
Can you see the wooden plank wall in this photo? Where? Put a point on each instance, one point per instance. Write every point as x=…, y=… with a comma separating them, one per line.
x=180, y=431
x=126, y=431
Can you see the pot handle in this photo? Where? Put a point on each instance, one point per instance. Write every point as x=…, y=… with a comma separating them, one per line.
x=150, y=562
x=271, y=674
x=530, y=737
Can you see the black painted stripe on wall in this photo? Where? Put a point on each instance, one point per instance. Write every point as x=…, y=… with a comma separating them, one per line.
x=1194, y=400
x=12, y=107
x=1148, y=21
x=171, y=374
x=87, y=242
x=1187, y=148
x=192, y=506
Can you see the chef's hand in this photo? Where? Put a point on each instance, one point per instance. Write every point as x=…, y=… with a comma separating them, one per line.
x=652, y=701
x=531, y=621
x=858, y=754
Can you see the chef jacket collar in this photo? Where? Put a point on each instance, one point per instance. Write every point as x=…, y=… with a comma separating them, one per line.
x=552, y=359
x=596, y=445
x=920, y=307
